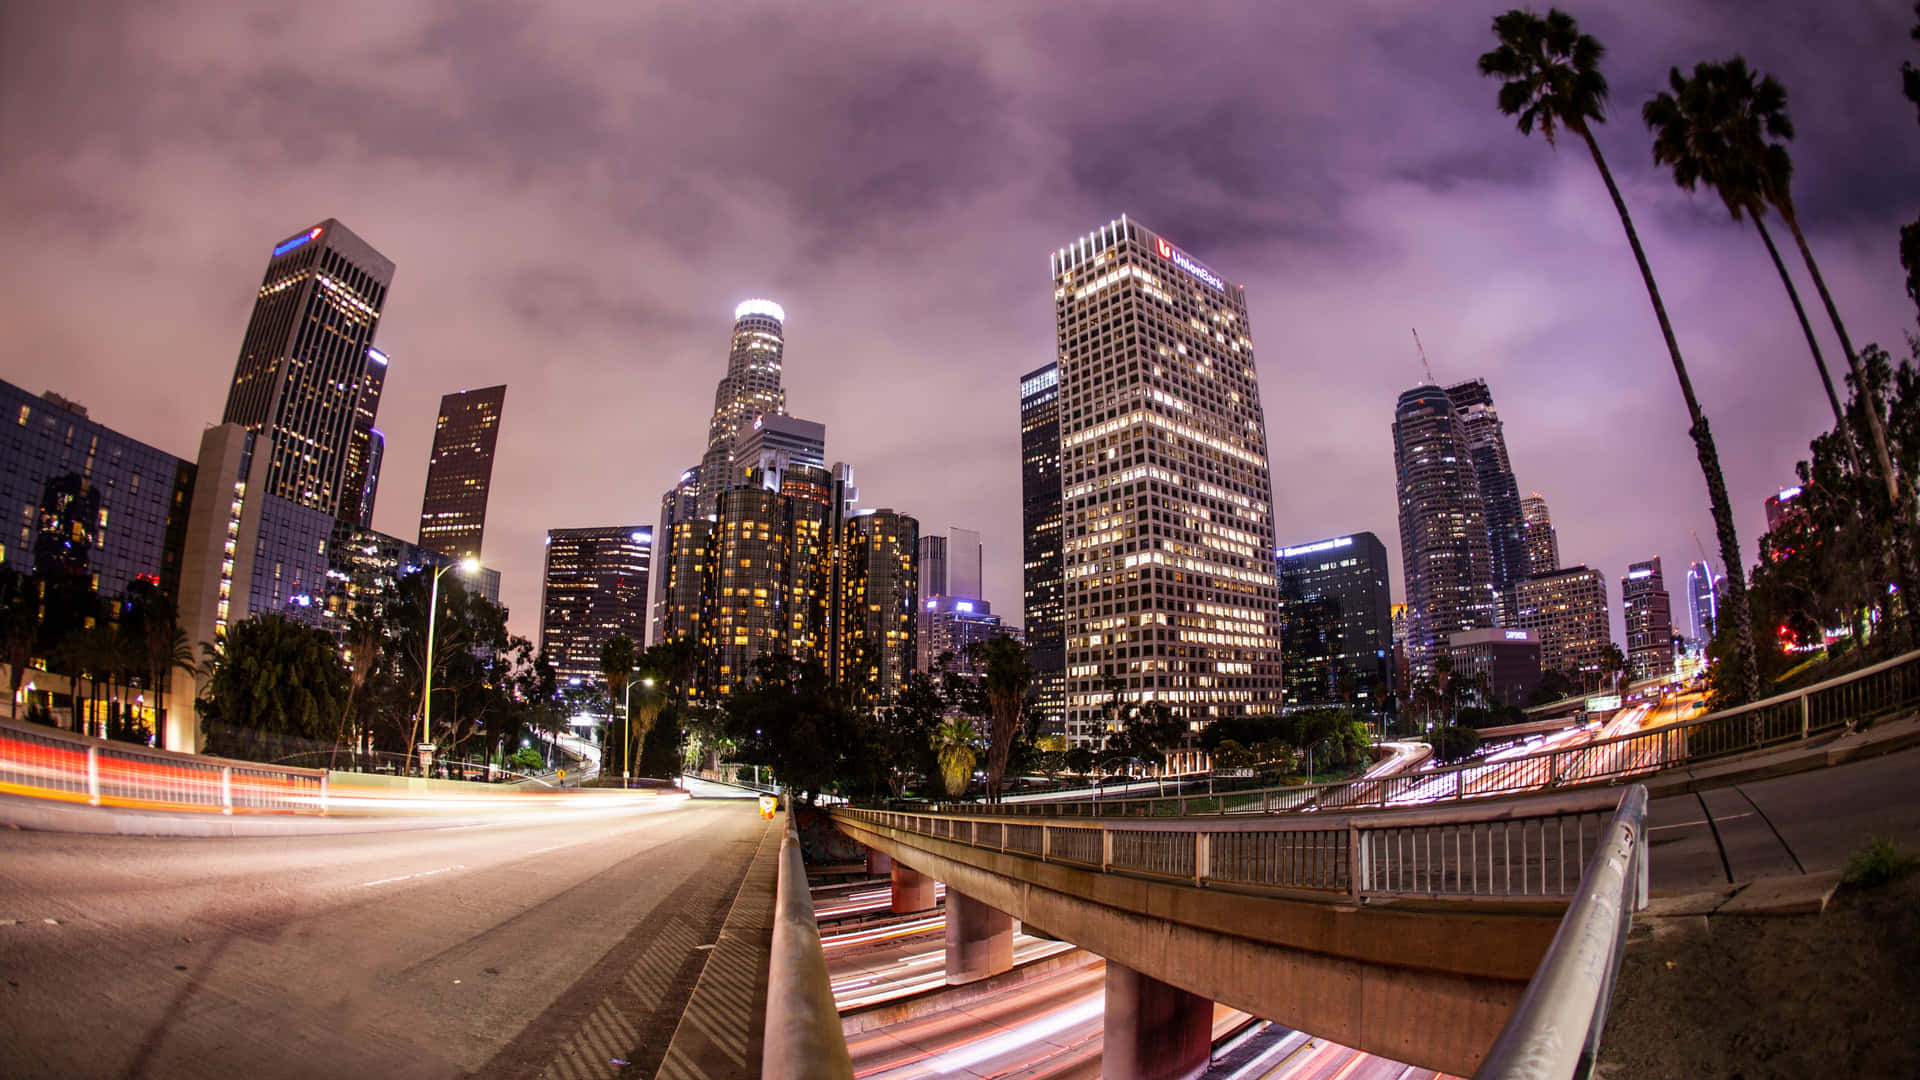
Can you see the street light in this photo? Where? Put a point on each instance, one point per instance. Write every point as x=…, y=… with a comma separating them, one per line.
x=465, y=566
x=1310, y=751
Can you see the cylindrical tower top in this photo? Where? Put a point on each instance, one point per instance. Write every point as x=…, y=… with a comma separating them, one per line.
x=759, y=307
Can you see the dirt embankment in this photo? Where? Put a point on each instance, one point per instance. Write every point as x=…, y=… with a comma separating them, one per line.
x=1747, y=997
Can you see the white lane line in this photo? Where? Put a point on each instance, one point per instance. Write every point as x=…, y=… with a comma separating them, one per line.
x=408, y=877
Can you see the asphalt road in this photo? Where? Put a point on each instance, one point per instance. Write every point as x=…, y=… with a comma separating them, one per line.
x=524, y=948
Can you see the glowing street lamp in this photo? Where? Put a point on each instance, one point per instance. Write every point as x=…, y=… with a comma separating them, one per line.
x=627, y=707
x=465, y=566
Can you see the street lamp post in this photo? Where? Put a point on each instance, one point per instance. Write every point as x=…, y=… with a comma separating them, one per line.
x=1310, y=751
x=465, y=566
x=627, y=707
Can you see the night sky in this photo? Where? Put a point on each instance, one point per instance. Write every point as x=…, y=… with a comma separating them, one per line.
x=576, y=196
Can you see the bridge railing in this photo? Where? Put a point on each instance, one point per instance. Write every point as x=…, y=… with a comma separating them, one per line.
x=50, y=763
x=1569, y=992
x=1528, y=849
x=1787, y=718
x=803, y=1039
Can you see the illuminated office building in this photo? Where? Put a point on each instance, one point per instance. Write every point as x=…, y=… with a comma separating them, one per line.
x=1041, y=565
x=365, y=445
x=1443, y=528
x=1703, y=601
x=304, y=366
x=770, y=582
x=681, y=503
x=1567, y=611
x=1649, y=613
x=1543, y=546
x=1337, y=636
x=595, y=589
x=1167, y=502
x=453, y=513
x=1500, y=503
x=878, y=596
x=951, y=626
x=750, y=388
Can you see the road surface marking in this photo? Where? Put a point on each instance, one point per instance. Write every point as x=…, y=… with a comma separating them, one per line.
x=407, y=877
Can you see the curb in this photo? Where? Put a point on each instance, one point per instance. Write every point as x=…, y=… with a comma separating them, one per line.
x=1794, y=894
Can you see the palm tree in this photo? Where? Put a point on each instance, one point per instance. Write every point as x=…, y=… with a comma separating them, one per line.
x=364, y=637
x=1713, y=128
x=1008, y=674
x=953, y=743
x=19, y=629
x=1550, y=74
x=1613, y=664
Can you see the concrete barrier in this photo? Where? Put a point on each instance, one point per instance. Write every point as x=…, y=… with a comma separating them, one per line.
x=804, y=1040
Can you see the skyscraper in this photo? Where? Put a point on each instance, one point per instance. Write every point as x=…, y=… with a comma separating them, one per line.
x=1167, y=515
x=1567, y=609
x=951, y=626
x=878, y=597
x=1499, y=494
x=453, y=514
x=303, y=365
x=1543, y=546
x=1041, y=564
x=680, y=503
x=365, y=445
x=770, y=579
x=951, y=565
x=595, y=589
x=1443, y=531
x=750, y=388
x=1703, y=601
x=1649, y=612
x=1336, y=607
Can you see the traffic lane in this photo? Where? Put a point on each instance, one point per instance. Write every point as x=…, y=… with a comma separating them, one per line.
x=416, y=954
x=1013, y=1029
x=1825, y=815
x=1681, y=847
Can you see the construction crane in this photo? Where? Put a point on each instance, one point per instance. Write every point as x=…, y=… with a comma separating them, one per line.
x=1428, y=368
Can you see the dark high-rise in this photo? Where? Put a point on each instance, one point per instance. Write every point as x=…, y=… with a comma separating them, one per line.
x=1336, y=611
x=595, y=589
x=1543, y=545
x=365, y=445
x=303, y=366
x=453, y=513
x=1703, y=601
x=1499, y=494
x=1040, y=541
x=1443, y=528
x=1649, y=614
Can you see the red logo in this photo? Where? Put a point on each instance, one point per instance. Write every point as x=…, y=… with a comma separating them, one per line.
x=1166, y=249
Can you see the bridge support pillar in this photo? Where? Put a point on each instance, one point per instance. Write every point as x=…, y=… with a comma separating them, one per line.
x=912, y=890
x=1153, y=1031
x=878, y=862
x=979, y=939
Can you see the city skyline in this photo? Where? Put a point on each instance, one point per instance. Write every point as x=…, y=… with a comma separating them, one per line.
x=1501, y=253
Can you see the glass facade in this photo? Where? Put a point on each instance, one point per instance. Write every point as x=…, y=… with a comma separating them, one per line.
x=1041, y=563
x=594, y=589
x=453, y=513
x=1336, y=608
x=1447, y=566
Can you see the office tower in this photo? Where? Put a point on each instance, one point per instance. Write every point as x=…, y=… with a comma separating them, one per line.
x=772, y=443
x=770, y=578
x=1041, y=565
x=1781, y=508
x=595, y=589
x=750, y=388
x=1543, y=545
x=365, y=445
x=1443, y=532
x=370, y=489
x=1400, y=665
x=1567, y=609
x=951, y=565
x=1499, y=494
x=1649, y=613
x=1508, y=658
x=951, y=626
x=1335, y=607
x=1703, y=601
x=84, y=502
x=303, y=364
x=1167, y=515
x=680, y=503
x=878, y=598
x=453, y=513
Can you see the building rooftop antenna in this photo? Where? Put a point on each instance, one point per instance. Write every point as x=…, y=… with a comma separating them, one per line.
x=1428, y=368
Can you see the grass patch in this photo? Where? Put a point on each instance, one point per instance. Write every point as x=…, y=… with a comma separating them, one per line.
x=1876, y=863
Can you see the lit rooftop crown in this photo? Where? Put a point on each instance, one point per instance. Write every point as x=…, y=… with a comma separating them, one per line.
x=760, y=307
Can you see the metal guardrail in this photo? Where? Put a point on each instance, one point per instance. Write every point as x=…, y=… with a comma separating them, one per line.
x=1530, y=849
x=1574, y=982
x=49, y=763
x=803, y=1039
x=1786, y=718
x=750, y=777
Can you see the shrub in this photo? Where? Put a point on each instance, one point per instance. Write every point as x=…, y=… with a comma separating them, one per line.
x=1876, y=863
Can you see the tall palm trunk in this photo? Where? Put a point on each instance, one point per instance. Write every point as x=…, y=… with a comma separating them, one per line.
x=1813, y=346
x=1747, y=667
x=1875, y=428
